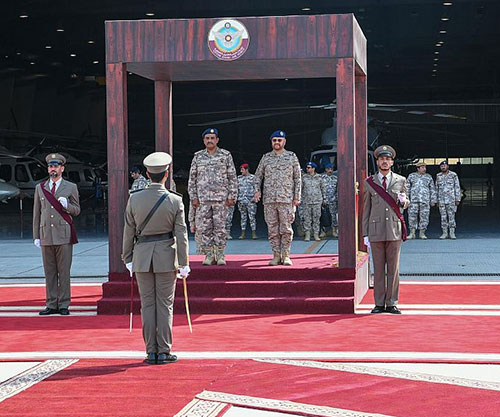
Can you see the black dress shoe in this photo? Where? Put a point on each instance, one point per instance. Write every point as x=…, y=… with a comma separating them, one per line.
x=393, y=310
x=378, y=309
x=48, y=311
x=151, y=358
x=64, y=312
x=164, y=358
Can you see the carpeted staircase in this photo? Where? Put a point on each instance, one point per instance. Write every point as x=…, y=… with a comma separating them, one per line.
x=248, y=285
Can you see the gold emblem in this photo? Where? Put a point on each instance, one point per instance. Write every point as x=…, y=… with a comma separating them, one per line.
x=384, y=148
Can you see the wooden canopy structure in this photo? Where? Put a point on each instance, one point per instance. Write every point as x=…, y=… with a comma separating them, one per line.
x=171, y=50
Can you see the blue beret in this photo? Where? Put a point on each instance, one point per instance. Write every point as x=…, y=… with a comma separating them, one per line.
x=278, y=134
x=310, y=163
x=443, y=163
x=329, y=165
x=210, y=130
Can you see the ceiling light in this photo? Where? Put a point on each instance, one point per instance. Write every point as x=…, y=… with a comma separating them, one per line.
x=306, y=9
x=32, y=63
x=436, y=52
x=23, y=16
x=433, y=75
x=435, y=64
x=48, y=47
x=445, y=19
x=438, y=44
x=95, y=62
x=436, y=59
x=91, y=41
x=442, y=31
x=6, y=56
x=72, y=55
x=59, y=30
x=434, y=70
x=447, y=3
x=150, y=14
x=18, y=53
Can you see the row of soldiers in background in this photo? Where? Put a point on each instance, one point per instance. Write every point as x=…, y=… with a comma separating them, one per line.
x=424, y=193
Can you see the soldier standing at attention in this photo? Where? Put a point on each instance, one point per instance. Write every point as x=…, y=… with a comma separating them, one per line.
x=154, y=219
x=448, y=197
x=246, y=203
x=55, y=202
x=212, y=188
x=139, y=181
x=384, y=228
x=313, y=197
x=422, y=195
x=331, y=196
x=280, y=171
x=229, y=222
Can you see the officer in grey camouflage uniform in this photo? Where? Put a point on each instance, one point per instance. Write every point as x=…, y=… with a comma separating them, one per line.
x=212, y=188
x=313, y=197
x=139, y=181
x=229, y=222
x=448, y=197
x=422, y=194
x=246, y=203
x=280, y=170
x=331, y=196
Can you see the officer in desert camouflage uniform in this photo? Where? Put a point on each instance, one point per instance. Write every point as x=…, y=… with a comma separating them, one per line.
x=331, y=196
x=212, y=188
x=448, y=197
x=280, y=170
x=422, y=194
x=246, y=203
x=313, y=197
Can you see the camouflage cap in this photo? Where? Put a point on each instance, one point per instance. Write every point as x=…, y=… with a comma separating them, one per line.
x=385, y=150
x=157, y=162
x=55, y=159
x=420, y=164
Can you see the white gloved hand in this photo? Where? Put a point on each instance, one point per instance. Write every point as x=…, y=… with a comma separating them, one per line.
x=129, y=267
x=37, y=243
x=63, y=201
x=367, y=242
x=184, y=272
x=402, y=198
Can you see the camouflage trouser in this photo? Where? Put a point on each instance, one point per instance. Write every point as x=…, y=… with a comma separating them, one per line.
x=229, y=219
x=210, y=223
x=419, y=222
x=279, y=218
x=248, y=211
x=312, y=216
x=333, y=208
x=447, y=212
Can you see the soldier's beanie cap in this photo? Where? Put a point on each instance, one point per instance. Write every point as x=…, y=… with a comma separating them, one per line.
x=244, y=165
x=385, y=150
x=443, y=163
x=55, y=159
x=329, y=165
x=157, y=162
x=278, y=134
x=209, y=131
x=312, y=164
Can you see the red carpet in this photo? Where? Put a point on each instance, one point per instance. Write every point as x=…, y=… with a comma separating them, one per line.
x=247, y=284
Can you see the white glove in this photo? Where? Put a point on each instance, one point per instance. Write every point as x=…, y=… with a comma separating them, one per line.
x=184, y=272
x=129, y=267
x=63, y=201
x=37, y=243
x=402, y=198
x=367, y=242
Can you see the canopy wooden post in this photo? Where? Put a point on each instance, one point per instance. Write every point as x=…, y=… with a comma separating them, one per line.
x=361, y=148
x=163, y=120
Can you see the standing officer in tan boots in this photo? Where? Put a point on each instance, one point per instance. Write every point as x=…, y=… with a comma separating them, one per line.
x=155, y=247
x=384, y=228
x=55, y=202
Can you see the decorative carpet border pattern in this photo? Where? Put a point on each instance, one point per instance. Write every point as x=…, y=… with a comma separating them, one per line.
x=414, y=376
x=282, y=405
x=202, y=408
x=32, y=376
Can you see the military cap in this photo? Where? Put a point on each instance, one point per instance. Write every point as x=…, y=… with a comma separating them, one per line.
x=385, y=150
x=278, y=134
x=244, y=165
x=329, y=165
x=443, y=163
x=312, y=164
x=55, y=159
x=157, y=162
x=420, y=164
x=210, y=130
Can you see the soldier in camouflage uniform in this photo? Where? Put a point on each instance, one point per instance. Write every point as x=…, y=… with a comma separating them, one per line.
x=139, y=181
x=331, y=196
x=193, y=229
x=448, y=197
x=313, y=197
x=212, y=188
x=280, y=170
x=229, y=222
x=246, y=203
x=422, y=194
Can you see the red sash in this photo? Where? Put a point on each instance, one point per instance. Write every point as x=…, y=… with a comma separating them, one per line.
x=389, y=200
x=58, y=206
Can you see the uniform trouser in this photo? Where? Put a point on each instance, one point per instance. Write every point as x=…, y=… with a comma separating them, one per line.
x=279, y=218
x=418, y=215
x=157, y=293
x=57, y=266
x=312, y=216
x=210, y=220
x=229, y=218
x=385, y=256
x=447, y=212
x=333, y=208
x=248, y=212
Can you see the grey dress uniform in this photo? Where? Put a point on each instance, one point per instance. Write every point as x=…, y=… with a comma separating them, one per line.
x=155, y=260
x=448, y=192
x=55, y=237
x=422, y=193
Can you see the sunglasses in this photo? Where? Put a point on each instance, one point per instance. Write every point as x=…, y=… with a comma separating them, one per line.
x=277, y=139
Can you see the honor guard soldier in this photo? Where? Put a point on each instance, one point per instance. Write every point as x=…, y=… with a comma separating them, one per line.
x=212, y=188
x=139, y=181
x=313, y=197
x=56, y=202
x=422, y=195
x=155, y=247
x=246, y=204
x=331, y=196
x=448, y=196
x=280, y=171
x=384, y=228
